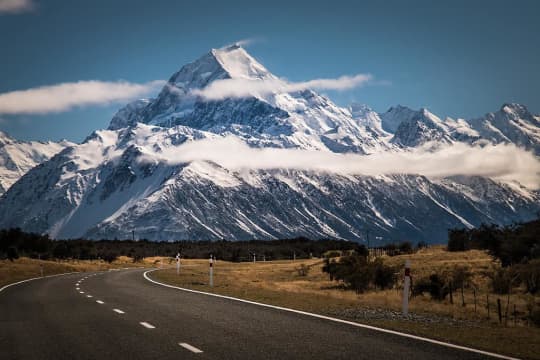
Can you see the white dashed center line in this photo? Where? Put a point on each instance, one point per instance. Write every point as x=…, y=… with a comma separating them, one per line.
x=190, y=348
x=88, y=296
x=82, y=292
x=118, y=311
x=100, y=302
x=147, y=325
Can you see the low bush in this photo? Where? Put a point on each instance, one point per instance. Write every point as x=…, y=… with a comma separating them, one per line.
x=435, y=285
x=360, y=274
x=503, y=279
x=529, y=274
x=303, y=270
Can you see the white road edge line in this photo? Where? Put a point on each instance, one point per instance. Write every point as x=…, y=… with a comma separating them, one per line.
x=118, y=311
x=393, y=332
x=190, y=348
x=147, y=325
x=100, y=302
x=36, y=278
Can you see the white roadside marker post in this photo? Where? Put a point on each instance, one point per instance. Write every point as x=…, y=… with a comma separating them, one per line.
x=178, y=264
x=406, y=287
x=211, y=271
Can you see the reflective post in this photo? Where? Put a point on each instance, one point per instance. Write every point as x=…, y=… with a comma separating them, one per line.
x=211, y=261
x=406, y=287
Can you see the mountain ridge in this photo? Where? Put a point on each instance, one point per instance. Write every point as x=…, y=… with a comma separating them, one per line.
x=116, y=181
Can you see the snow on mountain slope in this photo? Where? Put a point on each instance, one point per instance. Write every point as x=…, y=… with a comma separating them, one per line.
x=420, y=128
x=17, y=157
x=513, y=123
x=123, y=179
x=109, y=186
x=300, y=119
x=391, y=119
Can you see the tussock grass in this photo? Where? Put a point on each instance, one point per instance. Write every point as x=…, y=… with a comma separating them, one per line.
x=26, y=268
x=279, y=283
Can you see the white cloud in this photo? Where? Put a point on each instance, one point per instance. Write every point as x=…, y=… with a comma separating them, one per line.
x=244, y=42
x=239, y=87
x=16, y=6
x=499, y=162
x=65, y=96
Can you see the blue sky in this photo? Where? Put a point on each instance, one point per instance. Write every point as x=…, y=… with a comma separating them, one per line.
x=457, y=58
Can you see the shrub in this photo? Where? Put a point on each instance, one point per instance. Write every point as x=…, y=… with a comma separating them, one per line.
x=405, y=247
x=529, y=274
x=109, y=257
x=384, y=276
x=332, y=254
x=435, y=285
x=12, y=253
x=359, y=274
x=503, y=279
x=535, y=316
x=458, y=240
x=358, y=281
x=303, y=270
x=461, y=277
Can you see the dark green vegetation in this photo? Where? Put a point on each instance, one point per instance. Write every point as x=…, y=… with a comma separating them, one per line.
x=360, y=273
x=517, y=247
x=514, y=244
x=14, y=243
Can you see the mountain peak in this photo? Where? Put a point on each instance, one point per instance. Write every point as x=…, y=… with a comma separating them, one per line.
x=236, y=61
x=394, y=116
x=231, y=62
x=359, y=109
x=514, y=108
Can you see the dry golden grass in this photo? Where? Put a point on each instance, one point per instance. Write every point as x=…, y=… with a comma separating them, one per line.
x=26, y=268
x=279, y=283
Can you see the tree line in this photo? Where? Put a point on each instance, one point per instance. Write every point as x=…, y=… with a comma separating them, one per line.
x=15, y=243
x=512, y=244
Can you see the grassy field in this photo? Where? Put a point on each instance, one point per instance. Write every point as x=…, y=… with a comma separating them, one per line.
x=26, y=268
x=279, y=283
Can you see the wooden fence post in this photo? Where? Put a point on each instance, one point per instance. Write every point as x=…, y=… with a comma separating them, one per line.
x=499, y=310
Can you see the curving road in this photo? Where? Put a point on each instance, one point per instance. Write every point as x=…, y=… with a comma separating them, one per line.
x=121, y=315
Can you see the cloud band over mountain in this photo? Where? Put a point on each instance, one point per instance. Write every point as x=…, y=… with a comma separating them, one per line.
x=239, y=88
x=66, y=96
x=504, y=162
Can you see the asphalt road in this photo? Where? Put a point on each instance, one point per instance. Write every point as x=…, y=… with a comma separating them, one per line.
x=128, y=317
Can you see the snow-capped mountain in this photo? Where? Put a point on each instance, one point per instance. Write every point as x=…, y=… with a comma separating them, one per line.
x=126, y=178
x=512, y=124
x=17, y=157
x=302, y=119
